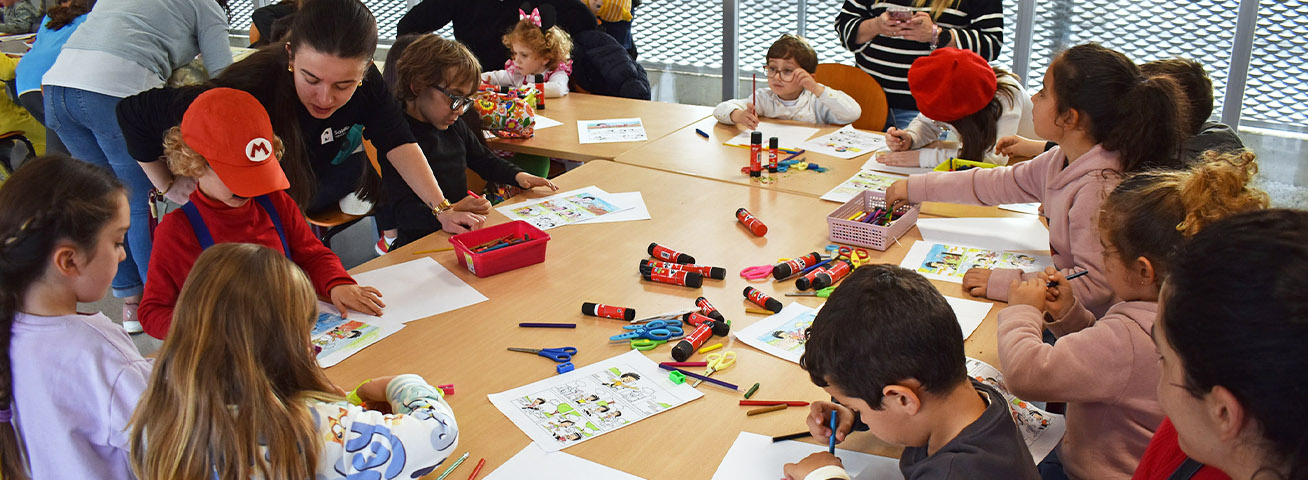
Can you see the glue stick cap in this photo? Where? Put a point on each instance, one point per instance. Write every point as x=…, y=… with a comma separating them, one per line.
x=772, y=142
x=682, y=351
x=694, y=280
x=721, y=329
x=718, y=273
x=756, y=137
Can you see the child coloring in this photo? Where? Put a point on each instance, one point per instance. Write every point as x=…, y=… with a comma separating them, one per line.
x=537, y=46
x=791, y=92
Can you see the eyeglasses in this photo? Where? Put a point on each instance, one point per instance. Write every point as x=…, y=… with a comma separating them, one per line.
x=458, y=103
x=785, y=75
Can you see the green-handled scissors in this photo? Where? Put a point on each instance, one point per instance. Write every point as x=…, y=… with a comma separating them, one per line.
x=645, y=344
x=823, y=293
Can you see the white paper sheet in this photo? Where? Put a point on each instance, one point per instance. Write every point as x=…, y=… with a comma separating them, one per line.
x=632, y=205
x=339, y=337
x=788, y=136
x=1040, y=429
x=534, y=463
x=564, y=208
x=873, y=164
x=755, y=457
x=781, y=334
x=1031, y=208
x=1010, y=233
x=949, y=262
x=419, y=289
x=546, y=122
x=846, y=143
x=564, y=410
x=856, y=184
x=610, y=130
x=970, y=313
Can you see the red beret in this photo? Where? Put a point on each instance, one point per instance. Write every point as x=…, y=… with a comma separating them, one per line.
x=951, y=84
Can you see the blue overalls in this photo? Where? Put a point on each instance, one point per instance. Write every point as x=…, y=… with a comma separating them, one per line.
x=206, y=240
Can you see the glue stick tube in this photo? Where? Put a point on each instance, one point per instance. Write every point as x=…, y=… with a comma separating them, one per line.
x=608, y=311
x=709, y=310
x=683, y=278
x=762, y=299
x=772, y=156
x=756, y=154
x=668, y=255
x=716, y=273
x=827, y=277
x=692, y=342
x=720, y=329
x=755, y=225
x=794, y=265
x=805, y=282
x=540, y=92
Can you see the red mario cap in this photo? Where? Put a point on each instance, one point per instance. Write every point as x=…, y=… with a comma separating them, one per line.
x=231, y=130
x=951, y=84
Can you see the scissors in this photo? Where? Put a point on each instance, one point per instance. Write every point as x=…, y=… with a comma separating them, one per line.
x=756, y=273
x=716, y=362
x=654, y=330
x=645, y=344
x=823, y=293
x=856, y=256
x=560, y=355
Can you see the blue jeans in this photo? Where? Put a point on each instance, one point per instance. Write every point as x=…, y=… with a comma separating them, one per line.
x=88, y=125
x=900, y=118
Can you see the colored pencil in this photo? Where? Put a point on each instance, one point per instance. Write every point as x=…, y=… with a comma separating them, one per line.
x=751, y=391
x=685, y=364
x=701, y=377
x=434, y=250
x=452, y=467
x=762, y=403
x=711, y=348
x=773, y=408
x=548, y=325
x=1069, y=277
x=475, y=471
x=758, y=311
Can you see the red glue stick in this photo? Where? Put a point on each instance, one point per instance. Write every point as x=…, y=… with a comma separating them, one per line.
x=762, y=299
x=794, y=265
x=668, y=255
x=716, y=273
x=772, y=156
x=750, y=221
x=806, y=281
x=608, y=311
x=683, y=278
x=720, y=329
x=709, y=310
x=756, y=154
x=688, y=345
x=829, y=276
x=540, y=92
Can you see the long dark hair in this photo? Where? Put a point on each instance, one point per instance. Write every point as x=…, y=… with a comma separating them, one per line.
x=1235, y=311
x=1139, y=117
x=977, y=131
x=47, y=201
x=63, y=14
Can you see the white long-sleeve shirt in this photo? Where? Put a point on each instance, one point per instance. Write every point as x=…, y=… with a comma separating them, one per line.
x=831, y=107
x=1015, y=120
x=556, y=81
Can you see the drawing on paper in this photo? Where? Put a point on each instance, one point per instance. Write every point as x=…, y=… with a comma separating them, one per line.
x=333, y=333
x=954, y=261
x=790, y=336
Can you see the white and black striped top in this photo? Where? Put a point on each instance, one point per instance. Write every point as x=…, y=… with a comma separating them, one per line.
x=977, y=24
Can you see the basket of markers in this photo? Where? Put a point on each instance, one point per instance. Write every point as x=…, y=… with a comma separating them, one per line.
x=500, y=248
x=865, y=222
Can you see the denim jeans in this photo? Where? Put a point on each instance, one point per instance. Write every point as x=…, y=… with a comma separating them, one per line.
x=900, y=118
x=88, y=125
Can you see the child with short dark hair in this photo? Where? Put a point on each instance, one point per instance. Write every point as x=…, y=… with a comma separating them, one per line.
x=888, y=348
x=791, y=92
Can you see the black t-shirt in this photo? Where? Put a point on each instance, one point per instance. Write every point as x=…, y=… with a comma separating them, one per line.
x=990, y=447
x=480, y=24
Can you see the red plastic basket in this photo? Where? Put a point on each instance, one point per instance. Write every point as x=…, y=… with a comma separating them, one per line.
x=866, y=234
x=500, y=260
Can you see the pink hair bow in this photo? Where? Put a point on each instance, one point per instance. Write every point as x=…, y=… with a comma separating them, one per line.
x=535, y=16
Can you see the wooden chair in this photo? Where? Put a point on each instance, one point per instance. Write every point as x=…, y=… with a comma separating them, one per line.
x=333, y=221
x=862, y=87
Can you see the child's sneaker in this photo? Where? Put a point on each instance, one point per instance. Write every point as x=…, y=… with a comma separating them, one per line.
x=383, y=245
x=130, y=323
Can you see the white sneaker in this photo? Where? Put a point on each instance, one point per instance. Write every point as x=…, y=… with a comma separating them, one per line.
x=129, y=318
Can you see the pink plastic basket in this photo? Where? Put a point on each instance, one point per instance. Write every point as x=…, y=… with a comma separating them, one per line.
x=866, y=234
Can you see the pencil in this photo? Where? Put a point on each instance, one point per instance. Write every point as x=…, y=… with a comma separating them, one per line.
x=751, y=391
x=685, y=364
x=758, y=311
x=701, y=377
x=764, y=403
x=1053, y=284
x=454, y=466
x=758, y=411
x=477, y=470
x=791, y=436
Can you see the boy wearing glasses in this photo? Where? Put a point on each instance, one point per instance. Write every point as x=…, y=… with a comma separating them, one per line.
x=433, y=79
x=792, y=93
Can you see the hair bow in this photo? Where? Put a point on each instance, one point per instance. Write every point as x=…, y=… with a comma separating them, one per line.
x=535, y=16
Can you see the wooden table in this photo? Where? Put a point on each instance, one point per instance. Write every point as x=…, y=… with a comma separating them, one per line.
x=659, y=119
x=598, y=263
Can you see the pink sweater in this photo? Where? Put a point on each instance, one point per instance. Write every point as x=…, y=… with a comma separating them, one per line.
x=1107, y=373
x=1071, y=198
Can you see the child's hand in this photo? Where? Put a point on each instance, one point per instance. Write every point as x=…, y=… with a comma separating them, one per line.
x=457, y=222
x=819, y=421
x=180, y=191
x=527, y=180
x=974, y=281
x=899, y=159
x=473, y=204
x=1059, y=299
x=1031, y=292
x=898, y=140
x=897, y=194
x=806, y=80
x=1019, y=146
x=374, y=390
x=357, y=298
x=745, y=117
x=797, y=471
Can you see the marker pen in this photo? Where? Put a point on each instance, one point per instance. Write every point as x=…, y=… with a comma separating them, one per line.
x=1053, y=284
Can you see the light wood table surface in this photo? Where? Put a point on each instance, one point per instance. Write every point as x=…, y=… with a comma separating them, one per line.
x=598, y=263
x=659, y=119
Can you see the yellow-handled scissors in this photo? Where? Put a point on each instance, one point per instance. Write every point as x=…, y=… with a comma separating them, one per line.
x=716, y=362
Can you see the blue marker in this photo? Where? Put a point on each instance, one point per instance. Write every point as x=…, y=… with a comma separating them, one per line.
x=832, y=447
x=1053, y=284
x=701, y=133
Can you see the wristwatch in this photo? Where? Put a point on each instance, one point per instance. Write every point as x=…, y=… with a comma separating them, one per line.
x=936, y=41
x=444, y=205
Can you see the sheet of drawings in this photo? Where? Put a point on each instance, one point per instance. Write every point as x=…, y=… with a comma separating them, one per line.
x=863, y=180
x=564, y=410
x=564, y=208
x=846, y=143
x=339, y=337
x=949, y=262
x=610, y=130
x=783, y=334
x=1040, y=429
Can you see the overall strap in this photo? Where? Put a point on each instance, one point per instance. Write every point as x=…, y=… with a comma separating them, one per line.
x=198, y=226
x=266, y=203
x=1187, y=470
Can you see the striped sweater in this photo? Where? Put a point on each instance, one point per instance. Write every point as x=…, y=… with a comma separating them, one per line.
x=976, y=25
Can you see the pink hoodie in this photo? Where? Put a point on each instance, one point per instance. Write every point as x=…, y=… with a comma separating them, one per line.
x=1107, y=372
x=1071, y=198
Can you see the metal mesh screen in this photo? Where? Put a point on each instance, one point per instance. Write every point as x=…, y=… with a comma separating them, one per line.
x=1276, y=93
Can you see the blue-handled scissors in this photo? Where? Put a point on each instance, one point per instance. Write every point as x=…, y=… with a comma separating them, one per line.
x=562, y=354
x=655, y=330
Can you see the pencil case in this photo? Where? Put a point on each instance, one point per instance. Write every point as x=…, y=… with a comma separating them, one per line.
x=850, y=232
x=956, y=164
x=503, y=258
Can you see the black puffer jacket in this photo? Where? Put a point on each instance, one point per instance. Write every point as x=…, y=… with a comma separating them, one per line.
x=601, y=66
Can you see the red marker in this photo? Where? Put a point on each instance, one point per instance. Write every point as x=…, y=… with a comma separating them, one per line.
x=692, y=342
x=720, y=329
x=608, y=311
x=756, y=154
x=805, y=282
x=716, y=273
x=772, y=156
x=750, y=221
x=473, y=195
x=794, y=265
x=709, y=309
x=683, y=278
x=668, y=255
x=762, y=299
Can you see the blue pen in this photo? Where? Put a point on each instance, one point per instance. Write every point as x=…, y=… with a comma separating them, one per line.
x=832, y=447
x=702, y=133
x=1069, y=277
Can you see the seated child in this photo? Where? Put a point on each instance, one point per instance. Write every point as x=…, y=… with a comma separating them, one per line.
x=614, y=17
x=958, y=90
x=889, y=349
x=536, y=47
x=227, y=144
x=792, y=93
x=68, y=381
x=434, y=77
x=249, y=309
x=1107, y=369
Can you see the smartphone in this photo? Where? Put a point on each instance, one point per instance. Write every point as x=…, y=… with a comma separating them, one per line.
x=899, y=13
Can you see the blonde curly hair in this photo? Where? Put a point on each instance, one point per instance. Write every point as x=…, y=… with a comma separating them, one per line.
x=182, y=160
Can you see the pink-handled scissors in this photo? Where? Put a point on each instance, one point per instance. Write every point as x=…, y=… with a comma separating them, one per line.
x=756, y=273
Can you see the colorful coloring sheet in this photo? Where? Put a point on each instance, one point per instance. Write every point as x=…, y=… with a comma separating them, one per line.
x=782, y=334
x=564, y=410
x=949, y=262
x=755, y=456
x=863, y=180
x=788, y=136
x=610, y=130
x=340, y=337
x=632, y=205
x=564, y=208
x=846, y=143
x=1041, y=430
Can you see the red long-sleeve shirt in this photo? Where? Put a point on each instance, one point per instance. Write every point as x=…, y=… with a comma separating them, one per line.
x=176, y=248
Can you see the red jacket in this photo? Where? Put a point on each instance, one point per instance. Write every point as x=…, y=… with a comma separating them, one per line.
x=1164, y=455
x=176, y=248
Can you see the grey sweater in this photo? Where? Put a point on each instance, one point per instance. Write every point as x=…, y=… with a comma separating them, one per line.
x=160, y=35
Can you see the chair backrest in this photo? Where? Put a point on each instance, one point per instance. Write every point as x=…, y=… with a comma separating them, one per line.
x=862, y=87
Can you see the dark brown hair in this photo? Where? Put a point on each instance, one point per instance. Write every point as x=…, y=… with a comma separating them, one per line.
x=63, y=14
x=978, y=131
x=424, y=61
x=795, y=48
x=1196, y=87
